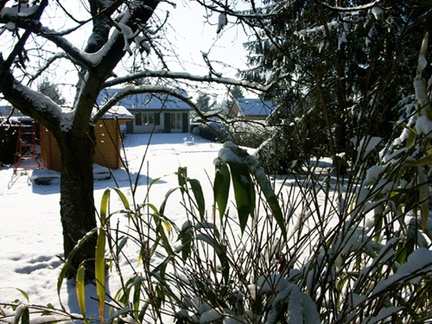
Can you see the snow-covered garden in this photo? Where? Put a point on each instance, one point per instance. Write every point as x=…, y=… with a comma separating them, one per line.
x=343, y=249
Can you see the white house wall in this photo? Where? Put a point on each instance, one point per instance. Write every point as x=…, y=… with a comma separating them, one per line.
x=145, y=122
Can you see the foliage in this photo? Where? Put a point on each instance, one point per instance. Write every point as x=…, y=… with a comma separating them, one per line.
x=203, y=102
x=341, y=66
x=236, y=92
x=51, y=91
x=314, y=246
x=249, y=134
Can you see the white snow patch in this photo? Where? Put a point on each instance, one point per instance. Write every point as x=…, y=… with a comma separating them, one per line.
x=210, y=316
x=419, y=262
x=373, y=174
x=424, y=125
x=377, y=12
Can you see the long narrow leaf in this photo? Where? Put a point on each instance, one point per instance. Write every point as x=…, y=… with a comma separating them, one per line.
x=100, y=275
x=199, y=196
x=80, y=289
x=221, y=187
x=68, y=262
x=244, y=192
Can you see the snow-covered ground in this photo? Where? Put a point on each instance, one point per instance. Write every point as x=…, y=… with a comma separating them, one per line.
x=30, y=230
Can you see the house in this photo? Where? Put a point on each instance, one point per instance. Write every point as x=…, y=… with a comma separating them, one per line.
x=251, y=108
x=108, y=137
x=152, y=112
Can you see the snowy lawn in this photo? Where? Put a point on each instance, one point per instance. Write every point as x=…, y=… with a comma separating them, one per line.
x=30, y=231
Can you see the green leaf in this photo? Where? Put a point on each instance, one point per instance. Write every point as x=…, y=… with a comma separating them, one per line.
x=164, y=202
x=242, y=165
x=23, y=293
x=185, y=236
x=161, y=235
x=271, y=198
x=244, y=192
x=123, y=198
x=420, y=162
x=182, y=176
x=423, y=196
x=411, y=138
x=137, y=297
x=80, y=289
x=221, y=187
x=221, y=252
x=100, y=271
x=68, y=262
x=199, y=196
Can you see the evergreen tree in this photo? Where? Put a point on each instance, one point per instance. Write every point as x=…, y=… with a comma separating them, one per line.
x=236, y=92
x=342, y=67
x=51, y=91
x=203, y=102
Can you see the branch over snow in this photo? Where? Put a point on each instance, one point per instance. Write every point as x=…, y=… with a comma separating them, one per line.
x=131, y=90
x=190, y=77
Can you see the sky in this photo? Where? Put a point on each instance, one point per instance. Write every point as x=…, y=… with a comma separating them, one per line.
x=190, y=34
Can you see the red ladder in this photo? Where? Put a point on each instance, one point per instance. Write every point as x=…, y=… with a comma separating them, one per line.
x=26, y=146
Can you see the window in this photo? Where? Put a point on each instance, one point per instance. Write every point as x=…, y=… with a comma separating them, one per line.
x=138, y=119
x=144, y=119
x=176, y=120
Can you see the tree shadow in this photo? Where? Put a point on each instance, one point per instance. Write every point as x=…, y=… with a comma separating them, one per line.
x=120, y=178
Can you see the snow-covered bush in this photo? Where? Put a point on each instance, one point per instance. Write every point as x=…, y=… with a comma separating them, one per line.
x=250, y=134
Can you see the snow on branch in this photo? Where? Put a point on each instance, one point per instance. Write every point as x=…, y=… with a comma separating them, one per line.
x=36, y=105
x=131, y=90
x=76, y=55
x=47, y=64
x=420, y=83
x=190, y=77
x=356, y=8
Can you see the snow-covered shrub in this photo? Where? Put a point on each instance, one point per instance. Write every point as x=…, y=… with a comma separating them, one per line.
x=250, y=134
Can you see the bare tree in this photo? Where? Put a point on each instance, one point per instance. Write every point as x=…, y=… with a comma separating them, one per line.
x=120, y=29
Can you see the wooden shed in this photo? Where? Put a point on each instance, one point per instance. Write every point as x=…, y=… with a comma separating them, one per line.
x=108, y=131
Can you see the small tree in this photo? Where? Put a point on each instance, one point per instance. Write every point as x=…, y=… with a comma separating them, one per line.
x=51, y=91
x=203, y=102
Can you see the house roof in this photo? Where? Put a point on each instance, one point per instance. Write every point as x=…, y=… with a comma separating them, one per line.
x=144, y=101
x=118, y=112
x=255, y=107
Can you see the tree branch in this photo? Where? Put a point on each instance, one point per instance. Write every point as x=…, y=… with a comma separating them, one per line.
x=48, y=63
x=19, y=46
x=190, y=77
x=347, y=9
x=131, y=90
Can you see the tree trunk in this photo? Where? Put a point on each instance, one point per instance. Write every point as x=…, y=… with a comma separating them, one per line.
x=77, y=208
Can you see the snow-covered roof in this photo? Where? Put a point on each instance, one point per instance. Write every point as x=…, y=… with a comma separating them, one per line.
x=144, y=101
x=118, y=112
x=255, y=107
